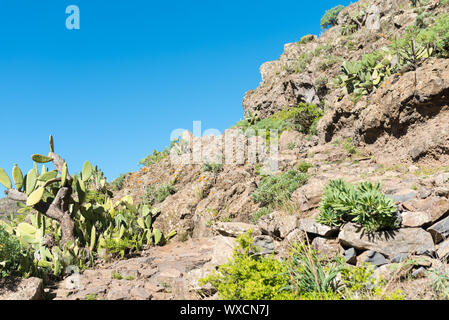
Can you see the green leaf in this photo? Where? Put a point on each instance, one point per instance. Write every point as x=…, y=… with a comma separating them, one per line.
x=31, y=181
x=40, y=158
x=93, y=238
x=4, y=179
x=35, y=197
x=64, y=174
x=52, y=144
x=47, y=176
x=157, y=236
x=17, y=177
x=88, y=171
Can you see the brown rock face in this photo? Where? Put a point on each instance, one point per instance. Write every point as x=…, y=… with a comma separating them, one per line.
x=277, y=94
x=401, y=120
x=22, y=289
x=409, y=240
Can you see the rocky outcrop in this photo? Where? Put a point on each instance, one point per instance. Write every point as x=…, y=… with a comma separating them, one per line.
x=21, y=289
x=402, y=120
x=389, y=243
x=7, y=207
x=278, y=94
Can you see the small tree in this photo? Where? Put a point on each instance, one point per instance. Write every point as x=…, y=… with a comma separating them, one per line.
x=330, y=17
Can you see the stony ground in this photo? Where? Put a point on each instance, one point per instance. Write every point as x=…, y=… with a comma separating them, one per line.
x=172, y=271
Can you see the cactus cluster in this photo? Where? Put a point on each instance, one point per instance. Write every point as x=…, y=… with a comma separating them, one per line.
x=363, y=76
x=77, y=212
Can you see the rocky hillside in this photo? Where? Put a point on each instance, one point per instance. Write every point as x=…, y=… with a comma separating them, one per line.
x=7, y=207
x=364, y=103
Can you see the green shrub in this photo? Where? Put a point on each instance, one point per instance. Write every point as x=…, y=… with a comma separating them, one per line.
x=349, y=147
x=274, y=191
x=304, y=166
x=310, y=274
x=303, y=118
x=212, y=167
x=363, y=76
x=157, y=156
x=14, y=260
x=154, y=196
x=363, y=204
x=330, y=17
x=247, y=278
x=440, y=283
x=307, y=38
x=259, y=214
x=119, y=183
x=359, y=283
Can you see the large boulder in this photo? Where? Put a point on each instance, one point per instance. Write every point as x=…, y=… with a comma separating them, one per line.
x=388, y=243
x=21, y=289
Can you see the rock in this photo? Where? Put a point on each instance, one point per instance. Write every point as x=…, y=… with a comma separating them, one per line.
x=373, y=19
x=22, y=289
x=296, y=236
x=391, y=243
x=400, y=257
x=443, y=249
x=440, y=230
x=263, y=245
x=140, y=293
x=402, y=195
x=419, y=273
x=385, y=272
x=415, y=219
x=350, y=256
x=309, y=225
x=442, y=179
x=234, y=229
x=325, y=247
x=290, y=140
x=278, y=224
x=118, y=293
x=436, y=207
x=424, y=193
x=442, y=191
x=372, y=257
x=309, y=196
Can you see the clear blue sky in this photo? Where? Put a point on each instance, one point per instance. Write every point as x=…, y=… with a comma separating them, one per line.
x=114, y=90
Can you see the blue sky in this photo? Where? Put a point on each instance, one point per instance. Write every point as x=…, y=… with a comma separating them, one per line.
x=114, y=90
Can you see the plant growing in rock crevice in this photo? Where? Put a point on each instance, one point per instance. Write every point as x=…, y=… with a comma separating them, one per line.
x=363, y=204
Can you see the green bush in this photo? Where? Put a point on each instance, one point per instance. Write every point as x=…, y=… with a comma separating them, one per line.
x=363, y=204
x=307, y=38
x=157, y=156
x=212, y=167
x=363, y=76
x=304, y=166
x=247, y=278
x=119, y=183
x=275, y=191
x=154, y=196
x=311, y=274
x=303, y=118
x=259, y=214
x=14, y=259
x=330, y=17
